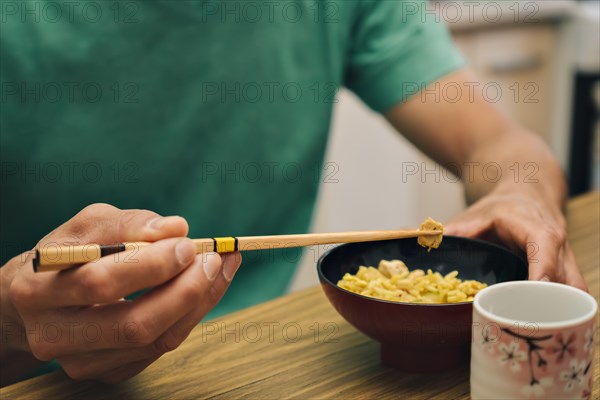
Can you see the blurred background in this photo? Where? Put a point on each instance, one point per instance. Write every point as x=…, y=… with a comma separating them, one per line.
x=537, y=60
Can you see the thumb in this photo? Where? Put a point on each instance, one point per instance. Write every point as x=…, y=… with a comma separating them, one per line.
x=104, y=223
x=466, y=225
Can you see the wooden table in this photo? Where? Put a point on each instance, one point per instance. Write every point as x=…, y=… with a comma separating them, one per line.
x=297, y=346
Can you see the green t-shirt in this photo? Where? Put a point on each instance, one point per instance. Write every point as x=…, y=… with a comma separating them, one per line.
x=215, y=111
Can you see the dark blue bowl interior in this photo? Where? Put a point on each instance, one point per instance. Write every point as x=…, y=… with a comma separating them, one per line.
x=473, y=259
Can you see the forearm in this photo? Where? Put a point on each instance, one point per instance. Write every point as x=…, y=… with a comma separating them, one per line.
x=515, y=160
x=481, y=144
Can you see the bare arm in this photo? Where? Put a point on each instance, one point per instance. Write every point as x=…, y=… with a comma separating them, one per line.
x=525, y=214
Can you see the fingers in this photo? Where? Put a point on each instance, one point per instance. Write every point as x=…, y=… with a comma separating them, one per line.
x=543, y=253
x=477, y=222
x=50, y=305
x=549, y=255
x=573, y=275
x=143, y=225
x=141, y=322
x=99, y=364
x=543, y=241
x=103, y=223
x=194, y=288
x=540, y=241
x=467, y=225
x=217, y=275
x=106, y=366
x=108, y=279
x=175, y=335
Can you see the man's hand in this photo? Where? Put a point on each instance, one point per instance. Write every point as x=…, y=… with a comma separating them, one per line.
x=80, y=317
x=527, y=226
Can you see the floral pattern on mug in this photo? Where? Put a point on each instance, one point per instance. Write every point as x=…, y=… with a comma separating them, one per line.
x=488, y=342
x=546, y=363
x=574, y=375
x=563, y=346
x=536, y=389
x=512, y=355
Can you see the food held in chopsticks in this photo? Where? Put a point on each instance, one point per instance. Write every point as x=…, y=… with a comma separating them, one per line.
x=431, y=242
x=393, y=281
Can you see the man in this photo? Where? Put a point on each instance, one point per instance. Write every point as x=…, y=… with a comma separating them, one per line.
x=158, y=105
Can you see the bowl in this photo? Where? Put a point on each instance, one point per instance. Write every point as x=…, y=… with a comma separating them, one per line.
x=417, y=337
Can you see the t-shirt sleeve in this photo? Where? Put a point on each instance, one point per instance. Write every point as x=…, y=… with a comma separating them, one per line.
x=398, y=47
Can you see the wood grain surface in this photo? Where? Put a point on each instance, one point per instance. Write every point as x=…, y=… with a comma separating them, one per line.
x=297, y=346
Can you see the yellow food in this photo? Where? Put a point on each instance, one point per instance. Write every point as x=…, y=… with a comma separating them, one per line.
x=431, y=241
x=393, y=281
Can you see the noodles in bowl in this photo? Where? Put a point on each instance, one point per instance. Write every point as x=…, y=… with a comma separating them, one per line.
x=393, y=281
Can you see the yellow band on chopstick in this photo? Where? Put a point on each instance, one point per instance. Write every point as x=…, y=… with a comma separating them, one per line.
x=225, y=244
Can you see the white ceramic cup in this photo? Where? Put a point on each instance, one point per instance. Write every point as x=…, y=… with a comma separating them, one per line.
x=532, y=340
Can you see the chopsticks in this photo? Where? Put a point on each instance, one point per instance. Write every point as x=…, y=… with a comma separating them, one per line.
x=56, y=258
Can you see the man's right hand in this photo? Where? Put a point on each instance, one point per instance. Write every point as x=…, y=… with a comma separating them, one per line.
x=80, y=317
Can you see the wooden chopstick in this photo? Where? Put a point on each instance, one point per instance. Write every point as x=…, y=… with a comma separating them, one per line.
x=56, y=258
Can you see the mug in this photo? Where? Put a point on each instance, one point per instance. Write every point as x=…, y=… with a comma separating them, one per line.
x=532, y=339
